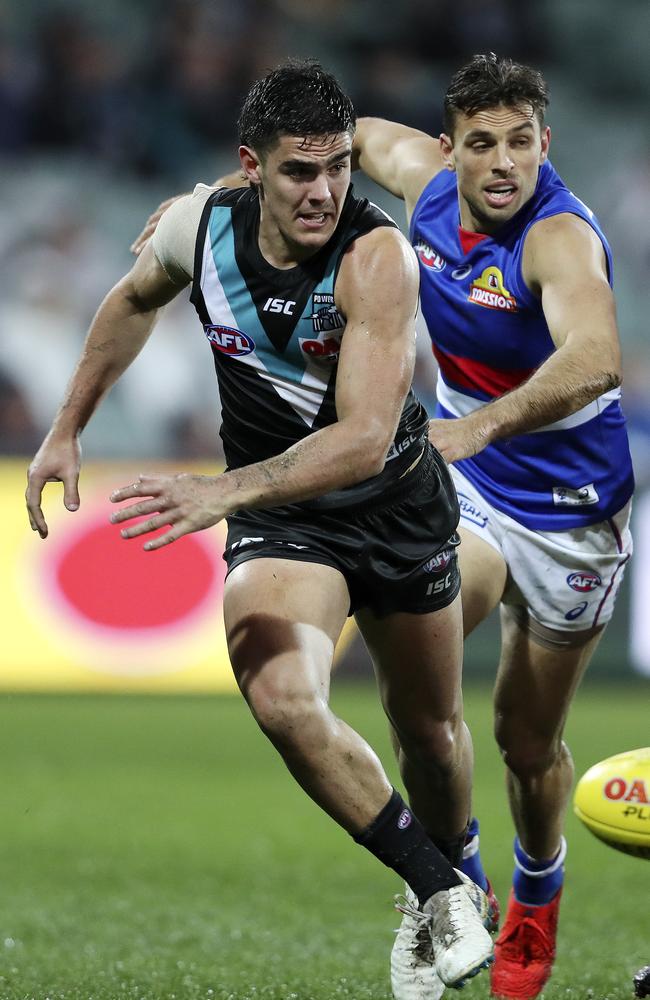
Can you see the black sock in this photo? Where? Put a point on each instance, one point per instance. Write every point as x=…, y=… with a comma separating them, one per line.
x=452, y=848
x=399, y=840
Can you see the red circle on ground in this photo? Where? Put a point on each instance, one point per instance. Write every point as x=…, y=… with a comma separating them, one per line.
x=113, y=582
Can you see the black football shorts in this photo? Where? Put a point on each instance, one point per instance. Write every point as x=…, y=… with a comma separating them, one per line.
x=397, y=552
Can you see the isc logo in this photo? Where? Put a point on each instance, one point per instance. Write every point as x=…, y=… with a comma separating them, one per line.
x=438, y=586
x=279, y=306
x=227, y=340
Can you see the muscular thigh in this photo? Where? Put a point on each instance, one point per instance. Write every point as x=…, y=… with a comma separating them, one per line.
x=483, y=575
x=535, y=683
x=418, y=662
x=283, y=618
x=483, y=568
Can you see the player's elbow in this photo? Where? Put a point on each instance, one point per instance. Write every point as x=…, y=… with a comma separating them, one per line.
x=604, y=380
x=127, y=295
x=610, y=368
x=612, y=379
x=371, y=451
x=372, y=467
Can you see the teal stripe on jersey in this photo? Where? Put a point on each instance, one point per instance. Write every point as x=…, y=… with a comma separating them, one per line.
x=287, y=365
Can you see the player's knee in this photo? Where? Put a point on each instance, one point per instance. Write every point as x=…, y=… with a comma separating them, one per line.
x=434, y=745
x=288, y=717
x=527, y=754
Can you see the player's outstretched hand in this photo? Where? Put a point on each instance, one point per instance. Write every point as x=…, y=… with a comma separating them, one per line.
x=185, y=502
x=150, y=226
x=456, y=439
x=56, y=461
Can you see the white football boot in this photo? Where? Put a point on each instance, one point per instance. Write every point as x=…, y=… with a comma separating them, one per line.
x=442, y=944
x=413, y=973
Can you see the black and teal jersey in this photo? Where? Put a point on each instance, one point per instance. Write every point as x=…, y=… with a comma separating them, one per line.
x=276, y=334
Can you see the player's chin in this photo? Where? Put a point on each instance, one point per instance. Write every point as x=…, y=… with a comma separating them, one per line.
x=314, y=239
x=503, y=213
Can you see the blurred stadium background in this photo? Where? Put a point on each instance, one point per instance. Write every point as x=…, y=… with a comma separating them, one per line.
x=105, y=110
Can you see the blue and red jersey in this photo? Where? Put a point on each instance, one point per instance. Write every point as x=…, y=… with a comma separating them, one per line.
x=489, y=335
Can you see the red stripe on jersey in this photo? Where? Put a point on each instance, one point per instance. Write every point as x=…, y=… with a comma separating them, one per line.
x=469, y=240
x=468, y=374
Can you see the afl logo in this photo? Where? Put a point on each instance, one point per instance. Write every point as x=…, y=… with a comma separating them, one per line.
x=227, y=340
x=404, y=820
x=583, y=582
x=439, y=562
x=429, y=257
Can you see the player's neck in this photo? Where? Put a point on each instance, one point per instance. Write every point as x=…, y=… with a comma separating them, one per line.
x=277, y=250
x=475, y=222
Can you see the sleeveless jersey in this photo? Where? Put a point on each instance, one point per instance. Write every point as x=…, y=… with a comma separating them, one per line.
x=276, y=335
x=489, y=335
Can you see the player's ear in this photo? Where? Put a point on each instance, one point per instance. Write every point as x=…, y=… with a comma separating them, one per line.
x=250, y=164
x=447, y=150
x=546, y=142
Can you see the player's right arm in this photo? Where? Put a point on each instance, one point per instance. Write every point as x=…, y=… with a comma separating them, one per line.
x=117, y=334
x=236, y=179
x=398, y=158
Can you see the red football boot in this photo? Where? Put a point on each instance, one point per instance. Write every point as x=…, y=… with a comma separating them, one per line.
x=525, y=949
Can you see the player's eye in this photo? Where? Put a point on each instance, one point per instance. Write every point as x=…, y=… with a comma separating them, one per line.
x=298, y=172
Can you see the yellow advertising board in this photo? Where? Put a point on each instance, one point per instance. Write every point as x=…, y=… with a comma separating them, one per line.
x=86, y=610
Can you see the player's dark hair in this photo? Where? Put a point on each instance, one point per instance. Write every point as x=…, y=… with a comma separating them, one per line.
x=298, y=98
x=489, y=80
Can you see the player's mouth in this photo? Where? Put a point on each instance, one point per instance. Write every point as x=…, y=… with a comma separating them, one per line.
x=314, y=220
x=500, y=194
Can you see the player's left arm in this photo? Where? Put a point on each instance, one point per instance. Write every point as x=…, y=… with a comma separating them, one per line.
x=564, y=264
x=377, y=292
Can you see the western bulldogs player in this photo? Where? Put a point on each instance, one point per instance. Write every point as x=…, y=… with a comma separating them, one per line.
x=516, y=279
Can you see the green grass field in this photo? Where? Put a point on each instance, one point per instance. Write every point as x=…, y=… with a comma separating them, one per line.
x=155, y=849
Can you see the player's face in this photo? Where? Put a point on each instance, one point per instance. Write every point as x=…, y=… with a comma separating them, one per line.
x=496, y=154
x=304, y=182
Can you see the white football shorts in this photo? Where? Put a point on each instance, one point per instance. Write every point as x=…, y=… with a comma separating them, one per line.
x=567, y=581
